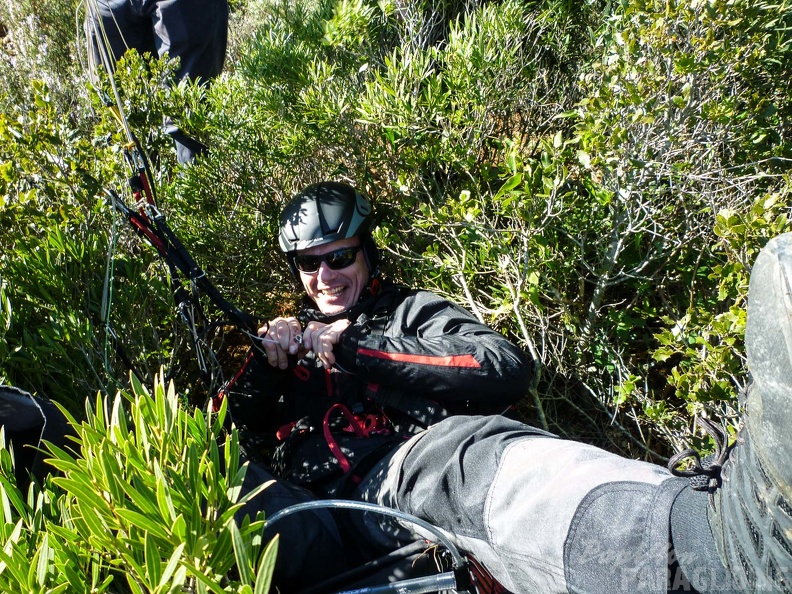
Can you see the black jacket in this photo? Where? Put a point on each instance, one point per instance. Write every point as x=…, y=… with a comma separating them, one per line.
x=409, y=359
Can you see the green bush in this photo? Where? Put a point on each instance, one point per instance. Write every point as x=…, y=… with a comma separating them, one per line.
x=144, y=501
x=57, y=261
x=685, y=124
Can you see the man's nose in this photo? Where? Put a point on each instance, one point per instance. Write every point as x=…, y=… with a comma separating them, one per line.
x=325, y=272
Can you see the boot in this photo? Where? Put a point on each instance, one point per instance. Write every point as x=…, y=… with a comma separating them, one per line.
x=751, y=518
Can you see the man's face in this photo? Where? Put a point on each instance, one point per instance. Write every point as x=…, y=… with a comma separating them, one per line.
x=334, y=291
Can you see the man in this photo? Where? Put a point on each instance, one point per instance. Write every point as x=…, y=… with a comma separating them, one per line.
x=378, y=389
x=394, y=359
x=194, y=31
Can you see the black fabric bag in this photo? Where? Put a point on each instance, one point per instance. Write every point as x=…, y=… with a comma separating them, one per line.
x=28, y=420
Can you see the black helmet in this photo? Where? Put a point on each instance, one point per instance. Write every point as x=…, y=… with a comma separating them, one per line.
x=323, y=213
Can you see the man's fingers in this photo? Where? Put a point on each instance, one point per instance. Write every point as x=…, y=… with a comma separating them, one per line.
x=327, y=340
x=281, y=336
x=320, y=338
x=295, y=337
x=308, y=336
x=323, y=341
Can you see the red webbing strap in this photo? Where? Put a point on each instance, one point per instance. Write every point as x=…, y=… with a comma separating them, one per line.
x=483, y=580
x=331, y=441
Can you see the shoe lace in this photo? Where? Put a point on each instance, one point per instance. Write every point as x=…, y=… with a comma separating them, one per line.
x=710, y=469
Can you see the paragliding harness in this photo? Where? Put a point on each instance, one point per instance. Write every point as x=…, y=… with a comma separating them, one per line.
x=330, y=450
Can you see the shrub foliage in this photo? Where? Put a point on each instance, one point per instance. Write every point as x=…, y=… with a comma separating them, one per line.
x=144, y=501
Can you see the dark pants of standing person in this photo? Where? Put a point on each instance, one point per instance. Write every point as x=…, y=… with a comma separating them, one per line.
x=195, y=31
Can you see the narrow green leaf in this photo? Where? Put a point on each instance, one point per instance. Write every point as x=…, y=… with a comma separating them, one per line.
x=100, y=532
x=254, y=492
x=179, y=528
x=113, y=474
x=228, y=514
x=134, y=585
x=205, y=580
x=137, y=387
x=64, y=534
x=62, y=460
x=172, y=409
x=118, y=422
x=135, y=459
x=141, y=496
x=170, y=568
x=143, y=523
x=243, y=563
x=219, y=418
x=266, y=567
x=42, y=564
x=7, y=562
x=132, y=568
x=84, y=494
x=9, y=495
x=223, y=549
x=153, y=561
x=164, y=501
x=106, y=583
x=239, y=474
x=76, y=580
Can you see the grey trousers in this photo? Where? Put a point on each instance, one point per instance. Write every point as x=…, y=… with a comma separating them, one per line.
x=541, y=513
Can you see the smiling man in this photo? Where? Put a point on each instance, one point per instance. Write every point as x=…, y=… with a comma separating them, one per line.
x=364, y=365
x=334, y=278
x=403, y=358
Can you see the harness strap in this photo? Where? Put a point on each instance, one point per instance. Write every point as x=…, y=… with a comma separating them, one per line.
x=358, y=430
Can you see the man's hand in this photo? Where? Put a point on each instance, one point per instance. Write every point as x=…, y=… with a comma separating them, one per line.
x=320, y=339
x=281, y=340
x=285, y=336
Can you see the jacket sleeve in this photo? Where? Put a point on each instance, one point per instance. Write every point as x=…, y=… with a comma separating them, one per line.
x=434, y=348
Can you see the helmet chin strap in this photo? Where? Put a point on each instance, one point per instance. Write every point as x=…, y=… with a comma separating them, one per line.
x=373, y=287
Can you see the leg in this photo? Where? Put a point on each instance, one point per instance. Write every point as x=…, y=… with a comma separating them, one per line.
x=124, y=28
x=308, y=539
x=196, y=32
x=541, y=513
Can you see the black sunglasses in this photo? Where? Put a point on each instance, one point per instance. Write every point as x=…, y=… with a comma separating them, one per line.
x=336, y=260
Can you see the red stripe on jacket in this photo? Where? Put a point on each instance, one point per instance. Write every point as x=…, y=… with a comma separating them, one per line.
x=449, y=361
